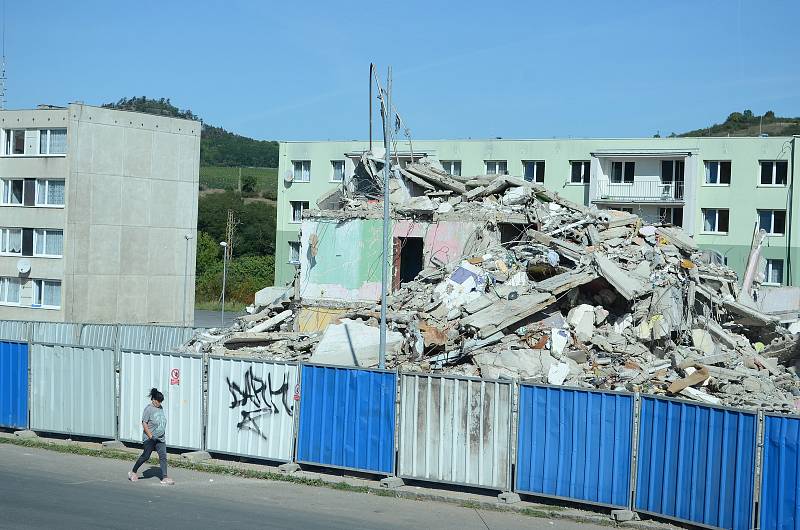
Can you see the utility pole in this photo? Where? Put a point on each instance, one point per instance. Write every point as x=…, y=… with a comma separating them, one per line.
x=227, y=253
x=386, y=113
x=240, y=179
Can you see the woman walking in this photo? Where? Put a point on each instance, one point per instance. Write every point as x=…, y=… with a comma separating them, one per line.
x=154, y=426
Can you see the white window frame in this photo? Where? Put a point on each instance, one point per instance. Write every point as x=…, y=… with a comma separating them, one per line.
x=716, y=230
x=669, y=215
x=303, y=206
x=47, y=133
x=718, y=184
x=301, y=170
x=5, y=192
x=536, y=177
x=771, y=232
x=769, y=268
x=622, y=180
x=333, y=170
x=43, y=233
x=4, y=283
x=8, y=135
x=292, y=246
x=4, y=237
x=46, y=204
x=450, y=167
x=774, y=173
x=496, y=165
x=586, y=170
x=38, y=294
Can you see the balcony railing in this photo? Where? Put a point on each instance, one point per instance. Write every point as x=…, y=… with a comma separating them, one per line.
x=639, y=191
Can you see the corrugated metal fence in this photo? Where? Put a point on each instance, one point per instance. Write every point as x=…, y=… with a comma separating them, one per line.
x=179, y=378
x=696, y=463
x=14, y=385
x=347, y=418
x=455, y=430
x=780, y=476
x=73, y=390
x=575, y=444
x=251, y=408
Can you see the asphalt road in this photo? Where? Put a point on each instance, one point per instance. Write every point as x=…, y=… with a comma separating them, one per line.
x=44, y=489
x=212, y=319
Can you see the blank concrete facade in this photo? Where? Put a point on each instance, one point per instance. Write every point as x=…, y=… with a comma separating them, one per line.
x=128, y=216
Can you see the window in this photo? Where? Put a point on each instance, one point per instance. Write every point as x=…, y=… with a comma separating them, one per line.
x=672, y=216
x=52, y=141
x=715, y=220
x=772, y=221
x=302, y=170
x=11, y=241
x=48, y=242
x=13, y=191
x=452, y=167
x=49, y=193
x=773, y=173
x=622, y=172
x=9, y=290
x=534, y=171
x=47, y=293
x=625, y=209
x=15, y=142
x=338, y=170
x=496, y=167
x=580, y=172
x=773, y=272
x=294, y=252
x=718, y=173
x=297, y=210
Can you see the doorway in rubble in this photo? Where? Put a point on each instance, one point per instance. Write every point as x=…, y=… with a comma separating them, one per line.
x=408, y=259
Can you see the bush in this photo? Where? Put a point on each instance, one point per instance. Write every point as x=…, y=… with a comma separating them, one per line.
x=246, y=275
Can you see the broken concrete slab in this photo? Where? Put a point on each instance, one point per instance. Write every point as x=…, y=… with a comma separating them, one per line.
x=112, y=444
x=25, y=434
x=392, y=483
x=272, y=322
x=195, y=457
x=625, y=284
x=353, y=343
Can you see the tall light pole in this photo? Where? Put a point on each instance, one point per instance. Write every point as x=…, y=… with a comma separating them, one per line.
x=224, y=246
x=186, y=278
x=386, y=112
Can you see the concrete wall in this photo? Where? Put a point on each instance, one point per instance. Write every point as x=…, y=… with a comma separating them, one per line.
x=132, y=200
x=744, y=196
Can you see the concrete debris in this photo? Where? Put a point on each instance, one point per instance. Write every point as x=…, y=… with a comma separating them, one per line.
x=543, y=290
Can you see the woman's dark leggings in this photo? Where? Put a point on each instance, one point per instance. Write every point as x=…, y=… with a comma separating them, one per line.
x=160, y=448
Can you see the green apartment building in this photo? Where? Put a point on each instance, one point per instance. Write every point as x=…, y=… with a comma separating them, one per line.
x=718, y=189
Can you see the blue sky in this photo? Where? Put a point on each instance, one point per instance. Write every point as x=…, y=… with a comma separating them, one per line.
x=298, y=70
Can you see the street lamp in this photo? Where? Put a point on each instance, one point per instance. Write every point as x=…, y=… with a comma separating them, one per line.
x=224, y=246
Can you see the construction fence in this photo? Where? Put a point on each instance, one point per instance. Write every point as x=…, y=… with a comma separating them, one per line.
x=704, y=465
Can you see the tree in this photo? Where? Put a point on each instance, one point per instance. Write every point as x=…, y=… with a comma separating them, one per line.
x=735, y=117
x=208, y=253
x=747, y=115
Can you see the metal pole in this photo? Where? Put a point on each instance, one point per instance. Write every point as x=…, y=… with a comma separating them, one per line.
x=387, y=121
x=224, y=278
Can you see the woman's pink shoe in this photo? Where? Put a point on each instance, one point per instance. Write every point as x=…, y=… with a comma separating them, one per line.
x=133, y=477
x=167, y=482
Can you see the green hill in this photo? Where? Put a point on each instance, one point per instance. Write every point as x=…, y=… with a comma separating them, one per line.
x=746, y=123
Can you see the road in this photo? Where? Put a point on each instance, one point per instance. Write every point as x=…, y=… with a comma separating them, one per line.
x=44, y=489
x=211, y=319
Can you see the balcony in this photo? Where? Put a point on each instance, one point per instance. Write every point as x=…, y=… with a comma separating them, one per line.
x=646, y=191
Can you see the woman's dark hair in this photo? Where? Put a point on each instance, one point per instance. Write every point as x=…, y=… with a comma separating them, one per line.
x=156, y=395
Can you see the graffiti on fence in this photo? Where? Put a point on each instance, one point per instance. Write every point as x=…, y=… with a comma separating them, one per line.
x=256, y=398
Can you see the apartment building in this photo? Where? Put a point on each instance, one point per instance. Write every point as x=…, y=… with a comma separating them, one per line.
x=98, y=215
x=720, y=190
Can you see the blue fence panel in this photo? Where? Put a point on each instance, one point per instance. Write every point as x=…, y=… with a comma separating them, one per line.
x=347, y=418
x=779, y=507
x=696, y=463
x=14, y=385
x=575, y=444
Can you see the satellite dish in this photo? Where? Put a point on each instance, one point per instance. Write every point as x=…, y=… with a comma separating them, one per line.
x=288, y=177
x=23, y=266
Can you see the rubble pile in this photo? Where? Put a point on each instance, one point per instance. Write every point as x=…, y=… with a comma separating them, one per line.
x=546, y=291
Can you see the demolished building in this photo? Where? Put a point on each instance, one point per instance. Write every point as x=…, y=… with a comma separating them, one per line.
x=494, y=276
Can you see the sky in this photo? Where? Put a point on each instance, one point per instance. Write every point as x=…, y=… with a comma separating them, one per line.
x=298, y=70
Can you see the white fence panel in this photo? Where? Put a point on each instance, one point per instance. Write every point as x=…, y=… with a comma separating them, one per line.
x=56, y=332
x=14, y=330
x=455, y=430
x=251, y=408
x=179, y=378
x=72, y=390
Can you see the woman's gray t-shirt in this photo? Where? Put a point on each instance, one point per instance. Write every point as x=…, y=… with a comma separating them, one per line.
x=156, y=421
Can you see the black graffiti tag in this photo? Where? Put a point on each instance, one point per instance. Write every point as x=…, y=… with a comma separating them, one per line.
x=255, y=397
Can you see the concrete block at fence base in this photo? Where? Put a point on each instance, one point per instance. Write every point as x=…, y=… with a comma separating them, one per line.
x=289, y=468
x=195, y=457
x=508, y=497
x=25, y=434
x=392, y=483
x=113, y=444
x=622, y=516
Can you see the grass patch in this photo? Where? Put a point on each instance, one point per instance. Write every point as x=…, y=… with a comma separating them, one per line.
x=256, y=181
x=232, y=306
